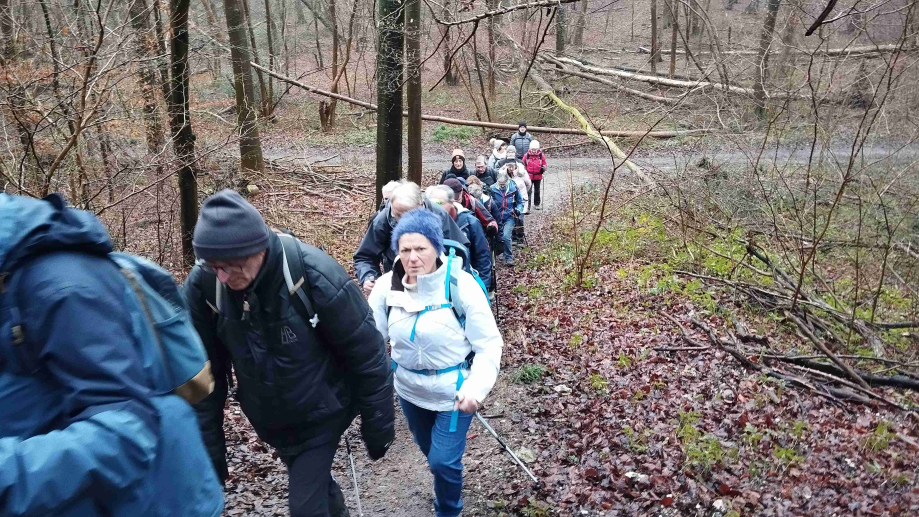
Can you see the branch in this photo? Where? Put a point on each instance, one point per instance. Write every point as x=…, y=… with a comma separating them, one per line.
x=490, y=125
x=501, y=10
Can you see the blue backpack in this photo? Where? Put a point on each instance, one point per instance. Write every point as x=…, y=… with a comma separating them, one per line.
x=186, y=365
x=455, y=249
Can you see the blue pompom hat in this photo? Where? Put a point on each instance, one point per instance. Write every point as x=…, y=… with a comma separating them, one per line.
x=422, y=221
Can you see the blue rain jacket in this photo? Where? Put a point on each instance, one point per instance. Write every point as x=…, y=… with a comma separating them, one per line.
x=87, y=425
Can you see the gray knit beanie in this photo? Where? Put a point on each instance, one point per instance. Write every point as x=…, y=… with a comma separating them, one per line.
x=229, y=228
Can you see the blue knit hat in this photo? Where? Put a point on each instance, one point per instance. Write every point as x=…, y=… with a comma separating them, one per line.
x=420, y=221
x=229, y=228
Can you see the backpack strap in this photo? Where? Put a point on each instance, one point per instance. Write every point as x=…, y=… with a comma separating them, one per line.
x=292, y=270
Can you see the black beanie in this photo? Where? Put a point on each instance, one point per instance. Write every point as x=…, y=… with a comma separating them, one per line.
x=521, y=123
x=229, y=228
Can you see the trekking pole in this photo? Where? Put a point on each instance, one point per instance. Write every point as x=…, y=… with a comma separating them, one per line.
x=508, y=449
x=357, y=492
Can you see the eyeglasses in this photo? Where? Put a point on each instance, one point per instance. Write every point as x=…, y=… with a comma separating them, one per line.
x=227, y=269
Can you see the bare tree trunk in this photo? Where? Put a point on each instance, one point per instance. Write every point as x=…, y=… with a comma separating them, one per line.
x=675, y=30
x=218, y=34
x=490, y=5
x=655, y=44
x=762, y=70
x=450, y=78
x=6, y=29
x=578, y=39
x=269, y=105
x=140, y=20
x=413, y=91
x=561, y=29
x=183, y=139
x=161, y=37
x=327, y=107
x=253, y=53
x=390, y=25
x=250, y=148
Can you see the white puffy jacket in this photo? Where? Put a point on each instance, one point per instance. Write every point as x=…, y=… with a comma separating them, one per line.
x=440, y=341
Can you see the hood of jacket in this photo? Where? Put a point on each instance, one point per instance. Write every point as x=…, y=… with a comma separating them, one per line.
x=30, y=227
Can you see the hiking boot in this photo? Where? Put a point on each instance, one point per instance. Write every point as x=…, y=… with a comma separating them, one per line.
x=538, y=207
x=509, y=263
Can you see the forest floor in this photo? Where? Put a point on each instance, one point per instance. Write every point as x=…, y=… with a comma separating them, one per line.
x=617, y=424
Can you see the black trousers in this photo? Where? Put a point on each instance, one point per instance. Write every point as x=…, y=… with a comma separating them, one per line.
x=312, y=492
x=536, y=200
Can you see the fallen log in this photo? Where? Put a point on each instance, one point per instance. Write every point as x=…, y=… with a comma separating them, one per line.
x=893, y=381
x=490, y=125
x=630, y=91
x=546, y=88
x=850, y=51
x=675, y=83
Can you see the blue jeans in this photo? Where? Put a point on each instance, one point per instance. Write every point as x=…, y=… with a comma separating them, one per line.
x=507, y=233
x=444, y=450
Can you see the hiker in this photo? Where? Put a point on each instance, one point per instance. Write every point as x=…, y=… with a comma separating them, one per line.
x=521, y=139
x=484, y=216
x=534, y=161
x=508, y=208
x=457, y=167
x=375, y=247
x=88, y=424
x=483, y=172
x=516, y=173
x=499, y=152
x=386, y=191
x=510, y=158
x=434, y=326
x=300, y=337
x=479, y=252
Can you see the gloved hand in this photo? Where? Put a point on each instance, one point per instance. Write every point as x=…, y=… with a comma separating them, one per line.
x=378, y=427
x=492, y=229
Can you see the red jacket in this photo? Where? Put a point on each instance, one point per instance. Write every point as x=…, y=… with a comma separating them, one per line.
x=535, y=164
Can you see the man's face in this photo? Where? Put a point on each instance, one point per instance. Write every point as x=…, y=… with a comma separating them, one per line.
x=502, y=183
x=522, y=129
x=444, y=203
x=480, y=168
x=237, y=274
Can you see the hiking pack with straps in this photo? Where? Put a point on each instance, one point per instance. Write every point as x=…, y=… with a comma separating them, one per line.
x=186, y=368
x=292, y=269
x=455, y=251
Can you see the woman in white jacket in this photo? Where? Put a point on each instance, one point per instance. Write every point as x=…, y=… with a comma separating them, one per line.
x=418, y=307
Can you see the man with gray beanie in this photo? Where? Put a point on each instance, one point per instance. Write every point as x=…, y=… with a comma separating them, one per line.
x=520, y=140
x=302, y=341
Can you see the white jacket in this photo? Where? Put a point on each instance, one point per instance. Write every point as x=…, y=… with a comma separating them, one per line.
x=440, y=341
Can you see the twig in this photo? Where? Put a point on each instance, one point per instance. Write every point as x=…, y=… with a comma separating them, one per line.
x=695, y=344
x=819, y=344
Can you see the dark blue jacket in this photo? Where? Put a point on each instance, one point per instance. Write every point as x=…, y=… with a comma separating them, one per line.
x=480, y=253
x=87, y=427
x=507, y=201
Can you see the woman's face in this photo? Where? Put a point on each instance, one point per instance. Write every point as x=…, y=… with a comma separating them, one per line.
x=417, y=254
x=457, y=162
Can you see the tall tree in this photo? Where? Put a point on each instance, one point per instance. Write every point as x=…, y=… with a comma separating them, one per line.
x=491, y=46
x=762, y=69
x=250, y=147
x=578, y=38
x=413, y=93
x=561, y=29
x=390, y=26
x=149, y=86
x=6, y=29
x=674, y=32
x=183, y=139
x=655, y=44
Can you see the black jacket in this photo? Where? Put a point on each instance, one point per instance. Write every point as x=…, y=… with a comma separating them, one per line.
x=376, y=246
x=453, y=172
x=488, y=177
x=299, y=386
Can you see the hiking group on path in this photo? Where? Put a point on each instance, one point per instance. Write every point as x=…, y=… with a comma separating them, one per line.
x=115, y=380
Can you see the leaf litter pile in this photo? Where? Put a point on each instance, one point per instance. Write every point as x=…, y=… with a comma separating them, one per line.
x=624, y=420
x=614, y=397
